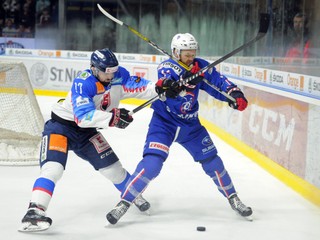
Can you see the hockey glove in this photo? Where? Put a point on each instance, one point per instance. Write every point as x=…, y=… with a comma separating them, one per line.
x=241, y=102
x=169, y=87
x=120, y=118
x=191, y=84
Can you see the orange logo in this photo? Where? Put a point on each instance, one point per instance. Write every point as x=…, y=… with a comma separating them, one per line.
x=58, y=143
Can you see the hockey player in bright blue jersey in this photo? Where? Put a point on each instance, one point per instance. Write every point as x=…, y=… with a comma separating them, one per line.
x=92, y=103
x=175, y=119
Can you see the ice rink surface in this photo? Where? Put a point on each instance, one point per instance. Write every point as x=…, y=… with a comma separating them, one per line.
x=181, y=198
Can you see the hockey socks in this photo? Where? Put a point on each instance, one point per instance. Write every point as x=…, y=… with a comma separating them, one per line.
x=215, y=169
x=121, y=186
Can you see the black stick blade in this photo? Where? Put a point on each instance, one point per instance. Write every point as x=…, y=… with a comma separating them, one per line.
x=264, y=22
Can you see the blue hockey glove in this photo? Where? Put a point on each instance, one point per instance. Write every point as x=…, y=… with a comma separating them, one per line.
x=241, y=102
x=169, y=87
x=120, y=118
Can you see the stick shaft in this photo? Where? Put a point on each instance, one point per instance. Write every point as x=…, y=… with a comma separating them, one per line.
x=144, y=105
x=263, y=28
x=211, y=65
x=140, y=35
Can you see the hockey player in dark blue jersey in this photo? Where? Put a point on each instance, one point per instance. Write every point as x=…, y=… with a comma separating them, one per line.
x=91, y=104
x=175, y=119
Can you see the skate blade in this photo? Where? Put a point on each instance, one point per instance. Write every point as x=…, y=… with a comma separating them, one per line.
x=147, y=212
x=110, y=225
x=249, y=218
x=29, y=227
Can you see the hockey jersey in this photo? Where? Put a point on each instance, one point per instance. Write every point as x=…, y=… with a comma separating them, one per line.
x=89, y=102
x=183, y=110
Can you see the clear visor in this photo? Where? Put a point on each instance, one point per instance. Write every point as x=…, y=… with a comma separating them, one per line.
x=111, y=69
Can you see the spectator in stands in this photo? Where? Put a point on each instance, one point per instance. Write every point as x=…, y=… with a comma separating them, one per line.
x=9, y=30
x=27, y=17
x=45, y=18
x=23, y=31
x=300, y=39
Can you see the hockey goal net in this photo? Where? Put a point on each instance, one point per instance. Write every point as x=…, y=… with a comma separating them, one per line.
x=21, y=122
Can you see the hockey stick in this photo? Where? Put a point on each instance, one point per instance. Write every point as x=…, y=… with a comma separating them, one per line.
x=165, y=52
x=144, y=38
x=263, y=28
x=143, y=105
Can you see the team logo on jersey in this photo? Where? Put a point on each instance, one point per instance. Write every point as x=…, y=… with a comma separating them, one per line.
x=99, y=142
x=188, y=103
x=84, y=75
x=159, y=146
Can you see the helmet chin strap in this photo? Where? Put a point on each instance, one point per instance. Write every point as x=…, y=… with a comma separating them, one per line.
x=176, y=57
x=176, y=54
x=95, y=71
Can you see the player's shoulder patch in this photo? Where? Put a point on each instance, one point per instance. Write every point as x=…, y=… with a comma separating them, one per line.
x=84, y=75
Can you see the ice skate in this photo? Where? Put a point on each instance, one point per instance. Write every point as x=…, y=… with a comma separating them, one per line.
x=118, y=211
x=142, y=204
x=239, y=207
x=35, y=220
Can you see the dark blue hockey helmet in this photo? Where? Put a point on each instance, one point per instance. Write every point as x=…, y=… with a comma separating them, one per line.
x=104, y=60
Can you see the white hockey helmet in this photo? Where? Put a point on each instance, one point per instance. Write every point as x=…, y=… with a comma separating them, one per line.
x=183, y=41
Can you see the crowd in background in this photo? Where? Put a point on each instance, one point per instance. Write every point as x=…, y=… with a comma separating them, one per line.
x=291, y=32
x=19, y=18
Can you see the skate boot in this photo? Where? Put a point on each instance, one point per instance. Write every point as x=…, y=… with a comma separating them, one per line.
x=35, y=220
x=118, y=211
x=141, y=203
x=239, y=207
